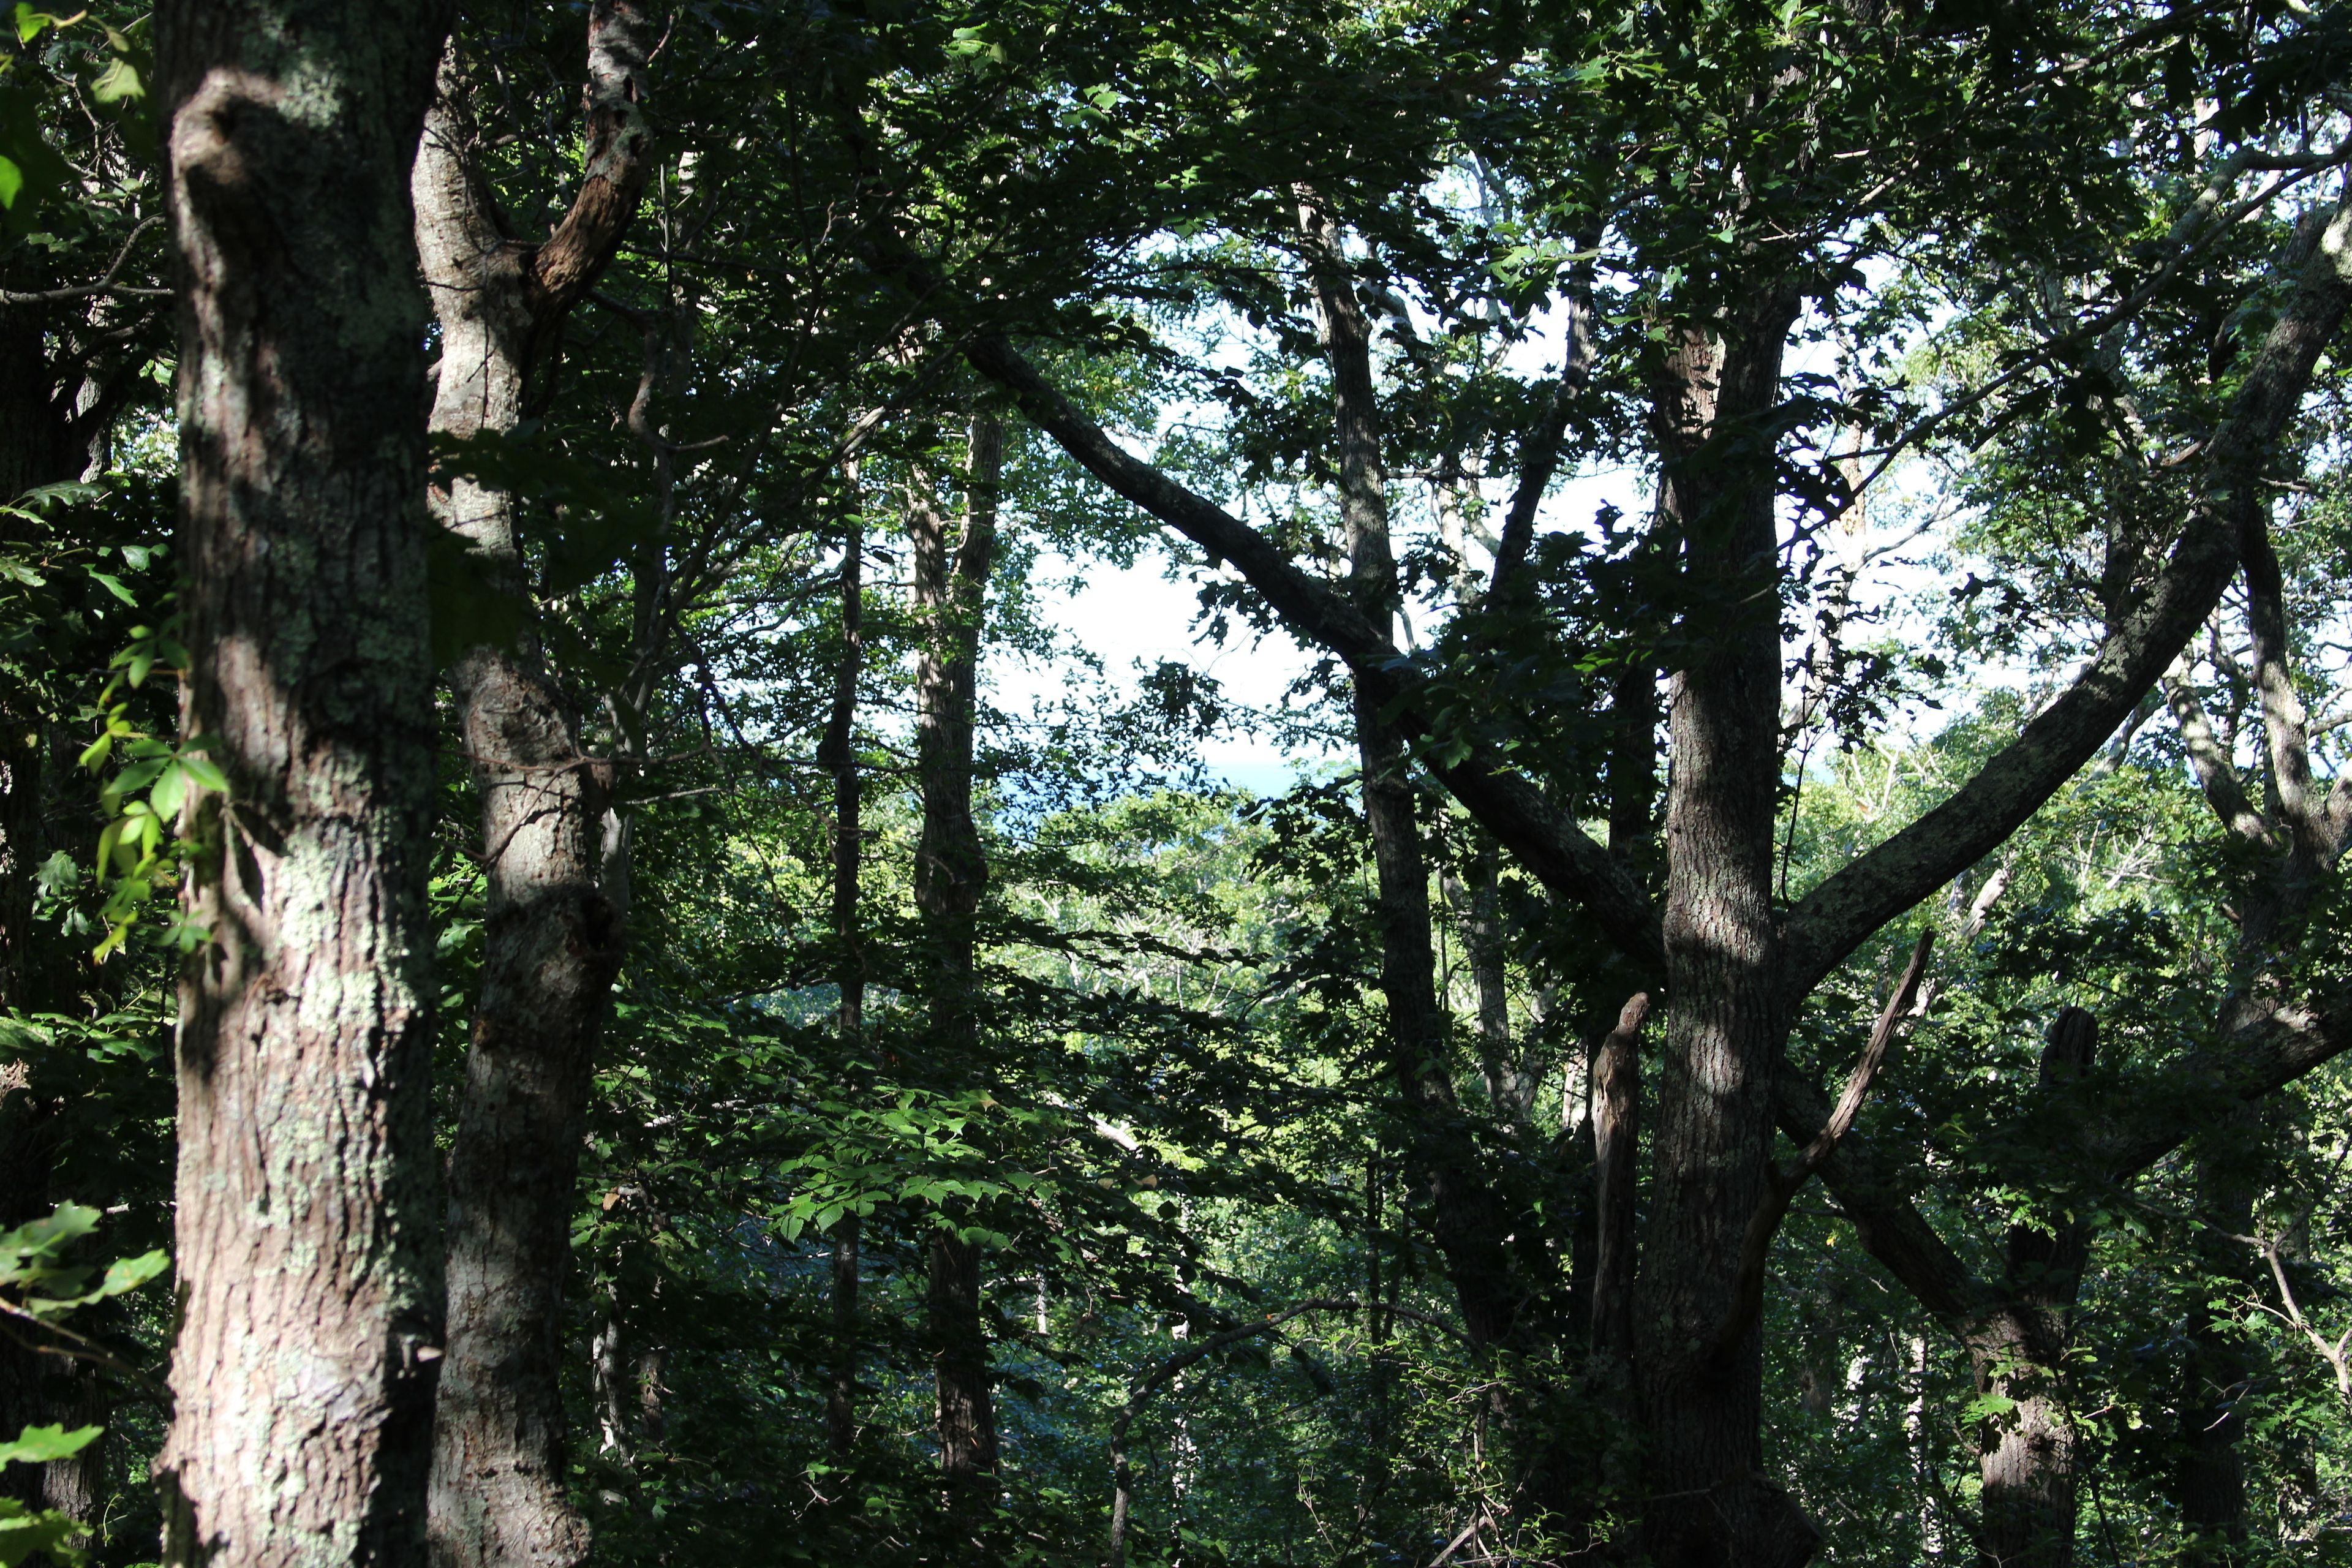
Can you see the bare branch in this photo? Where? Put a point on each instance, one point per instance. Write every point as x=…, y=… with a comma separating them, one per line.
x=103, y=285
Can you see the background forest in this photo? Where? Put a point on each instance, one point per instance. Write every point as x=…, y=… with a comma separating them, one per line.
x=1721, y=944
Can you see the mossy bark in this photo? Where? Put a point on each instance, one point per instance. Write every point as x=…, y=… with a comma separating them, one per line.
x=308, y=1210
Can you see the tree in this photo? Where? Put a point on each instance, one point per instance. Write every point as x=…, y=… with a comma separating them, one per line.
x=951, y=586
x=1706, y=371
x=552, y=838
x=308, y=1222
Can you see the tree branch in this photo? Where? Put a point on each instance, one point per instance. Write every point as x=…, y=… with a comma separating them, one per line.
x=2284, y=723
x=2217, y=776
x=105, y=285
x=1841, y=914
x=1544, y=838
x=1780, y=1186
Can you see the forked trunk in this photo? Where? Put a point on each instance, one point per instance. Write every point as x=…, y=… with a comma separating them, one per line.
x=309, y=1215
x=554, y=919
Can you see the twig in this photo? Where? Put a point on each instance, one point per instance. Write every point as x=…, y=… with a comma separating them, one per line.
x=1123, y=1479
x=1780, y=1186
x=104, y=285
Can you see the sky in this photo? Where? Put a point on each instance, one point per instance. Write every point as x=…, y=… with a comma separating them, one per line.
x=1135, y=617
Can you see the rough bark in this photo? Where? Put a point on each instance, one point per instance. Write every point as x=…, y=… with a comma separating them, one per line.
x=1724, y=1022
x=308, y=1211
x=554, y=926
x=951, y=879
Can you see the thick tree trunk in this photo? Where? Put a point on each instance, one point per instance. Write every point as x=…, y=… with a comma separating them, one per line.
x=307, y=1209
x=950, y=877
x=553, y=927
x=2026, y=1456
x=1701, y=1410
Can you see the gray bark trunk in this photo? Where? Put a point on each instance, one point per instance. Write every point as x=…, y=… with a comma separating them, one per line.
x=2026, y=1456
x=951, y=878
x=308, y=1211
x=554, y=926
x=1701, y=1412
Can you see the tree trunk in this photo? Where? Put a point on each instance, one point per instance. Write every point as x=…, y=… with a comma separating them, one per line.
x=1701, y=1411
x=553, y=927
x=838, y=754
x=2210, y=1486
x=308, y=1211
x=2026, y=1455
x=1468, y=1228
x=1512, y=1081
x=950, y=877
x=2209, y=1483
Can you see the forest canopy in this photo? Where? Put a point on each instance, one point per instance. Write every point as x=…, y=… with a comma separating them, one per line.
x=994, y=782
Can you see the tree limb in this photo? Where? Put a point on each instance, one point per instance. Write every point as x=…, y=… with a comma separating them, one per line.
x=2217, y=776
x=1780, y=1186
x=1840, y=915
x=1544, y=838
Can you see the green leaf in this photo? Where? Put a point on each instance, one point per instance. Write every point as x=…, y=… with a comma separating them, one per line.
x=127, y=1274
x=118, y=82
x=171, y=789
x=41, y=1445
